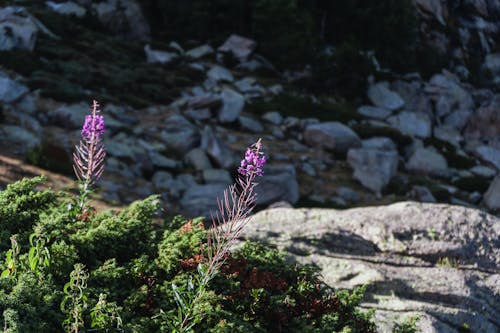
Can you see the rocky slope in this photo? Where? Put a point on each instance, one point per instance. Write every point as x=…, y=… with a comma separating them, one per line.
x=428, y=140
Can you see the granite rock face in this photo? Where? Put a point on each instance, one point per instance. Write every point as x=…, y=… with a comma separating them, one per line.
x=434, y=260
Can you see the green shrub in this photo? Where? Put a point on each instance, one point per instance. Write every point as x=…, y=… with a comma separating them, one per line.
x=131, y=264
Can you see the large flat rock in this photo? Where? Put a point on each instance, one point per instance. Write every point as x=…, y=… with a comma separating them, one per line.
x=435, y=260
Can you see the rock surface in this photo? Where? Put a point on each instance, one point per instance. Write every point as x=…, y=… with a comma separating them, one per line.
x=372, y=167
x=438, y=261
x=331, y=135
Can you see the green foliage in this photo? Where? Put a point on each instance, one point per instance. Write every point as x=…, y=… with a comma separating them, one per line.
x=297, y=105
x=74, y=302
x=388, y=27
x=291, y=32
x=20, y=207
x=105, y=315
x=131, y=264
x=407, y=326
x=344, y=72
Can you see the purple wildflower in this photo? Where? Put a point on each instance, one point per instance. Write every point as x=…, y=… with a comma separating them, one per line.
x=253, y=162
x=94, y=124
x=88, y=160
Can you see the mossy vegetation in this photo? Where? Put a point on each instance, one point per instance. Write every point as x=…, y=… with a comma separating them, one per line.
x=86, y=63
x=366, y=131
x=134, y=261
x=455, y=160
x=294, y=104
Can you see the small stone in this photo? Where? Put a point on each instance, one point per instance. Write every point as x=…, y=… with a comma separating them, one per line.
x=331, y=135
x=220, y=74
x=475, y=197
x=308, y=169
x=373, y=168
x=279, y=183
x=492, y=195
x=163, y=162
x=428, y=161
x=273, y=117
x=156, y=56
x=161, y=180
x=198, y=159
x=11, y=90
x=240, y=47
x=489, y=155
x=383, y=97
x=216, y=149
x=411, y=123
x=201, y=200
x=422, y=194
x=67, y=8
x=232, y=105
x=199, y=114
x=374, y=112
x=179, y=134
x=348, y=194
x=200, y=52
x=217, y=176
x=250, y=124
x=380, y=143
x=448, y=134
x=483, y=171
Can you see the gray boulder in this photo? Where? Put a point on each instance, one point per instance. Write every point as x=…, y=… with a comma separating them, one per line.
x=218, y=73
x=216, y=149
x=161, y=180
x=421, y=193
x=448, y=94
x=250, y=124
x=483, y=171
x=19, y=29
x=232, y=105
x=427, y=161
x=434, y=8
x=492, y=195
x=411, y=123
x=11, y=90
x=489, y=155
x=179, y=134
x=434, y=260
x=18, y=139
x=373, y=168
x=200, y=52
x=374, y=112
x=273, y=117
x=381, y=96
x=198, y=159
x=124, y=18
x=380, y=143
x=70, y=116
x=449, y=134
x=201, y=200
x=220, y=176
x=67, y=8
x=240, y=47
x=279, y=183
x=157, y=56
x=484, y=124
x=163, y=162
x=492, y=67
x=331, y=135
